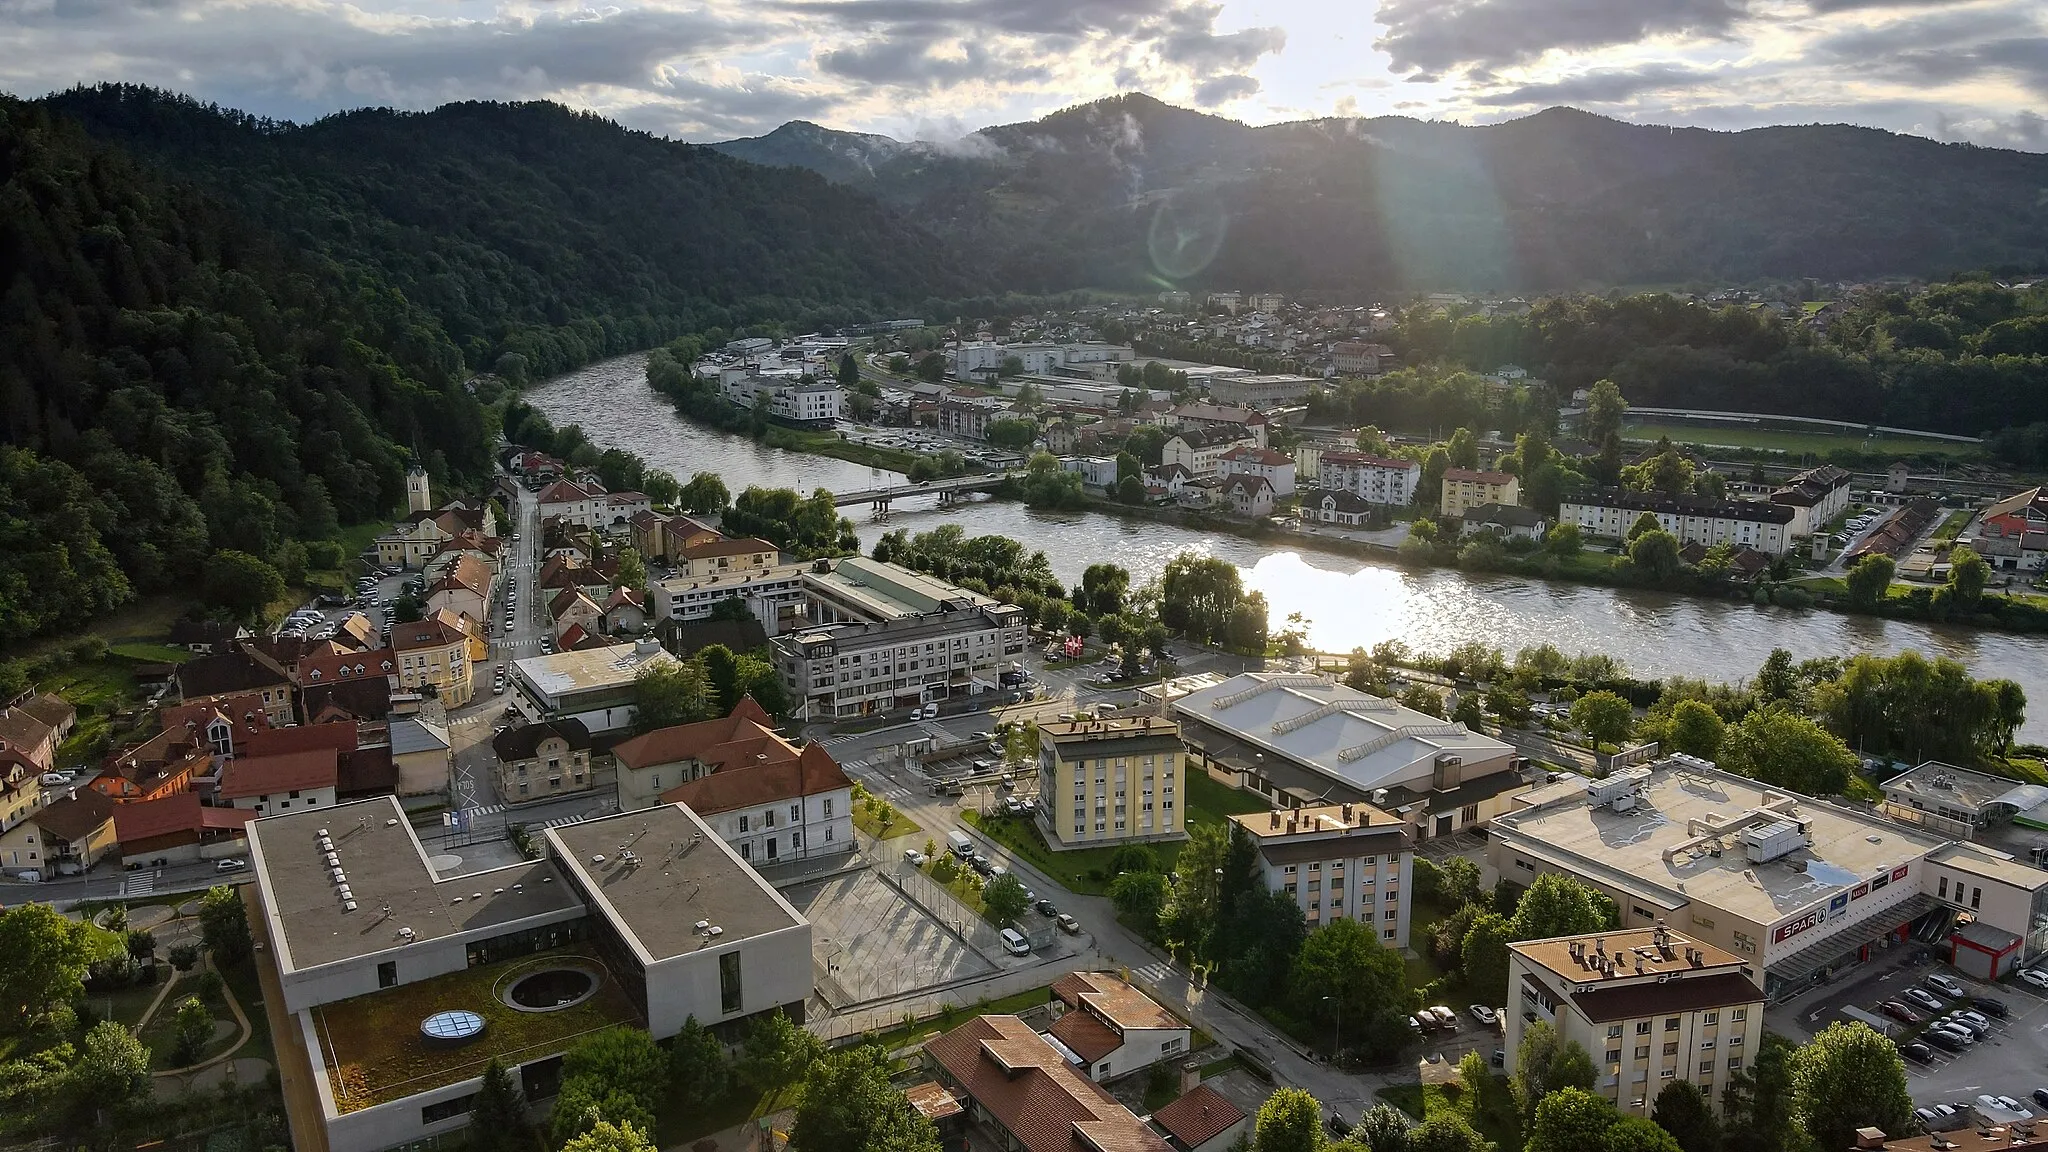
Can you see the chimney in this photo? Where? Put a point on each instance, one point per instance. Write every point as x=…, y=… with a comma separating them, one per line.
x=1347, y=813
x=1190, y=1076
x=1276, y=819
x=1870, y=1138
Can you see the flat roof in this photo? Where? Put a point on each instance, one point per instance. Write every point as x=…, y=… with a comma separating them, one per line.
x=563, y=673
x=1670, y=840
x=1633, y=950
x=779, y=574
x=1365, y=741
x=388, y=876
x=659, y=871
x=1963, y=788
x=1991, y=864
x=1125, y=734
x=887, y=591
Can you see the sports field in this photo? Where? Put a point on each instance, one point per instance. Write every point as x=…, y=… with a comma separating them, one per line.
x=1785, y=440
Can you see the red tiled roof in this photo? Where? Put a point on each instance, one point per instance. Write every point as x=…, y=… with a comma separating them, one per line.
x=339, y=737
x=1029, y=1089
x=1089, y=1038
x=748, y=720
x=434, y=632
x=288, y=772
x=767, y=782
x=244, y=713
x=215, y=819
x=148, y=819
x=1114, y=999
x=1198, y=1117
x=564, y=492
x=745, y=546
x=1471, y=477
x=376, y=663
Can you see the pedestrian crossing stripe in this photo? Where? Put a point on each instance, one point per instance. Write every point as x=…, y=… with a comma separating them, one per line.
x=1154, y=972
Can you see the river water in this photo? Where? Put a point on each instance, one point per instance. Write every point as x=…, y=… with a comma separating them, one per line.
x=1347, y=602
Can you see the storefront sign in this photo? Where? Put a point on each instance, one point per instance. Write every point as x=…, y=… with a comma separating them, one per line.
x=1899, y=873
x=1859, y=892
x=1792, y=928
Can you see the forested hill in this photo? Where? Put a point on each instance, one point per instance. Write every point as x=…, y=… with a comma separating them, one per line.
x=1124, y=190
x=532, y=229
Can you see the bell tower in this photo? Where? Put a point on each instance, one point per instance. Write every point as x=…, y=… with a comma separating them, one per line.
x=417, y=495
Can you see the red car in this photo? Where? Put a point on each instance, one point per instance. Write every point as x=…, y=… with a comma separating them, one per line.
x=1897, y=1010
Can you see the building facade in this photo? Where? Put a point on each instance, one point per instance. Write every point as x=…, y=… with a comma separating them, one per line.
x=1465, y=488
x=434, y=653
x=1379, y=479
x=1275, y=468
x=1610, y=513
x=543, y=761
x=1110, y=781
x=1338, y=861
x=773, y=812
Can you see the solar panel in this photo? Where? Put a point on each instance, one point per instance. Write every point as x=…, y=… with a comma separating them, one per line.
x=458, y=1024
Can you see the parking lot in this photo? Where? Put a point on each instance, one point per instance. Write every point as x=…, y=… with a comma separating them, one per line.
x=2011, y=1059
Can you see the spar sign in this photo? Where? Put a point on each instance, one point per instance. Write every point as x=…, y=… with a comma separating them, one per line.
x=1812, y=919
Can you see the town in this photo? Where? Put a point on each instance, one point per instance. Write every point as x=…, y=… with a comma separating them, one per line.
x=597, y=801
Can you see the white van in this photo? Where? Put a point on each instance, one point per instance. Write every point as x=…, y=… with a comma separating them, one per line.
x=961, y=844
x=1015, y=944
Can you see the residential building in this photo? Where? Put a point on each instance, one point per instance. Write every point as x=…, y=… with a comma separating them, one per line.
x=774, y=596
x=1338, y=861
x=63, y=838
x=984, y=356
x=268, y=785
x=161, y=766
x=1227, y=301
x=773, y=809
x=724, y=556
x=1815, y=496
x=422, y=755
x=21, y=791
x=421, y=535
x=582, y=505
x=1275, y=468
x=1361, y=358
x=206, y=636
x=433, y=656
x=1262, y=391
x=346, y=907
x=595, y=686
x=1465, y=488
x=543, y=761
x=1799, y=887
x=1507, y=520
x=1650, y=1005
x=1379, y=479
x=574, y=608
x=238, y=672
x=2013, y=533
x=1247, y=496
x=1203, y=1120
x=1611, y=512
x=1110, y=1029
x=653, y=762
x=657, y=537
x=1305, y=741
x=1019, y=1084
x=1201, y=451
x=180, y=830
x=968, y=417
x=820, y=402
x=1238, y=423
x=1111, y=781
x=1341, y=508
x=464, y=589
x=1097, y=473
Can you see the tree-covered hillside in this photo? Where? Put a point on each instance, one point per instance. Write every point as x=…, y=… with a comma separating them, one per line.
x=530, y=229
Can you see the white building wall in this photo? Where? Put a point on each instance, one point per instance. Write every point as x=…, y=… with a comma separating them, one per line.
x=775, y=969
x=1387, y=875
x=816, y=832
x=272, y=804
x=1142, y=1048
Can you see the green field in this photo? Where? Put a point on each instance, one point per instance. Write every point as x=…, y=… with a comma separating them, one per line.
x=1793, y=442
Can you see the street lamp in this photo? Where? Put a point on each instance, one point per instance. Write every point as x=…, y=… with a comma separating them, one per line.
x=1338, y=1053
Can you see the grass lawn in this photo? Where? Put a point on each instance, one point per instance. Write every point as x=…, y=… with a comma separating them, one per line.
x=965, y=884
x=1491, y=1109
x=160, y=1036
x=242, y=981
x=143, y=653
x=869, y=820
x=100, y=691
x=373, y=1052
x=128, y=1004
x=1086, y=870
x=1790, y=441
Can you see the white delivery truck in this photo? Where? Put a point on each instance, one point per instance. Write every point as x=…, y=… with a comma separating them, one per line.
x=959, y=842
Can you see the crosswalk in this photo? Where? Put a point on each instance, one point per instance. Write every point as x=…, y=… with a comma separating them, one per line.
x=1154, y=973
x=486, y=810
x=564, y=821
x=141, y=884
x=875, y=782
x=841, y=739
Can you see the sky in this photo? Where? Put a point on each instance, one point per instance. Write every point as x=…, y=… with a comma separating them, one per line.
x=1958, y=70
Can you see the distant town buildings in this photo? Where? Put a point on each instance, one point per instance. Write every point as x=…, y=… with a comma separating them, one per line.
x=1609, y=513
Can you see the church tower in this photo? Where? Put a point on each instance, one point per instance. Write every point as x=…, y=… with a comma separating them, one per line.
x=417, y=498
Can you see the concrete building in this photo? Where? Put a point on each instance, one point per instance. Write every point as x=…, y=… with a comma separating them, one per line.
x=775, y=810
x=1815, y=496
x=1110, y=1029
x=775, y=596
x=1611, y=512
x=1465, y=488
x=1262, y=391
x=1338, y=861
x=2012, y=533
x=1341, y=508
x=1360, y=358
x=434, y=654
x=594, y=685
x=63, y=838
x=1798, y=887
x=1201, y=450
x=1507, y=520
x=1110, y=781
x=543, y=761
x=1096, y=472
x=655, y=762
x=1379, y=479
x=982, y=356
x=725, y=556
x=1275, y=468
x=268, y=785
x=1648, y=1004
x=641, y=919
x=1036, y=1100
x=1304, y=741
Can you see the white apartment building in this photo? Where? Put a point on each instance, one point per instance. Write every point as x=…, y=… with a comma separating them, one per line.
x=1201, y=451
x=788, y=397
x=1275, y=468
x=1815, y=496
x=1338, y=861
x=791, y=809
x=1120, y=779
x=1268, y=391
x=1611, y=512
x=1379, y=479
x=1098, y=472
x=774, y=595
x=988, y=356
x=1110, y=1029
x=1649, y=1005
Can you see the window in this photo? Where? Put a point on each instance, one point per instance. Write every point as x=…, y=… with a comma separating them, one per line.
x=1711, y=1018
x=1739, y=1014
x=387, y=974
x=1614, y=1031
x=828, y=834
x=1642, y=1027
x=447, y=1109
x=1393, y=914
x=1671, y=1024
x=743, y=822
x=1668, y=1074
x=1643, y=1052
x=1976, y=894
x=1101, y=1070
x=768, y=818
x=1171, y=1046
x=828, y=807
x=1671, y=1049
x=1706, y=1068
x=1735, y=1064
x=1469, y=814
x=796, y=839
x=1614, y=1056
x=1942, y=891
x=796, y=814
x=1707, y=1045
x=729, y=997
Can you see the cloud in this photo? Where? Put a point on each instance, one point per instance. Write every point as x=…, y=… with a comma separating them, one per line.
x=1436, y=36
x=1224, y=89
x=1604, y=86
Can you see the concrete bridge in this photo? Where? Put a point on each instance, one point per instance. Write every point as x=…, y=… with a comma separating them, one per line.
x=945, y=490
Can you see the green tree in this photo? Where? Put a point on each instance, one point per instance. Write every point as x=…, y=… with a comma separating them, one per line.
x=931, y=368
x=776, y=1053
x=242, y=584
x=1849, y=1077
x=1424, y=699
x=605, y=1136
x=666, y=694
x=1290, y=1120
x=46, y=961
x=1458, y=881
x=1468, y=711
x=849, y=1105
x=1565, y=540
x=1637, y=1134
x=1463, y=449
x=1012, y=433
x=498, y=1121
x=1559, y=905
x=1381, y=1128
x=1546, y=1063
x=1695, y=729
x=1781, y=747
x=1869, y=579
x=1484, y=954
x=113, y=1066
x=1683, y=1110
x=848, y=372
x=184, y=956
x=1343, y=972
x=1757, y=1106
x=191, y=1028
x=704, y=495
x=224, y=925
x=1644, y=524
x=1655, y=554
x=1571, y=1120
x=1604, y=717
x=700, y=1073
x=1967, y=574
x=1603, y=414
x=1140, y=898
x=1004, y=899
x=1777, y=678
x=632, y=570
x=1447, y=1132
x=621, y=1059
x=408, y=609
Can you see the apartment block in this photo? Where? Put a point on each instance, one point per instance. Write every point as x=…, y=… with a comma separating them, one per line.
x=1464, y=488
x=1338, y=861
x=1611, y=512
x=1110, y=781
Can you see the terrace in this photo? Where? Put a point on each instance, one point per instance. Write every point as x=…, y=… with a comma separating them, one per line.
x=374, y=1052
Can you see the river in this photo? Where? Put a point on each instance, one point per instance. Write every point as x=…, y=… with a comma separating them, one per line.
x=1347, y=602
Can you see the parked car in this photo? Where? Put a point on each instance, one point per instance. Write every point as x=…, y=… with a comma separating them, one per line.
x=233, y=864
x=914, y=858
x=1917, y=1052
x=1945, y=1028
x=1045, y=908
x=2041, y=1097
x=1925, y=999
x=1946, y=986
x=1898, y=1011
x=1482, y=1013
x=1014, y=943
x=1991, y=1007
x=1946, y=1041
x=1068, y=924
x=2035, y=976
x=1927, y=1117
x=1977, y=1020
x=1416, y=1025
x=1958, y=1020
x=2012, y=1105
x=1445, y=1018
